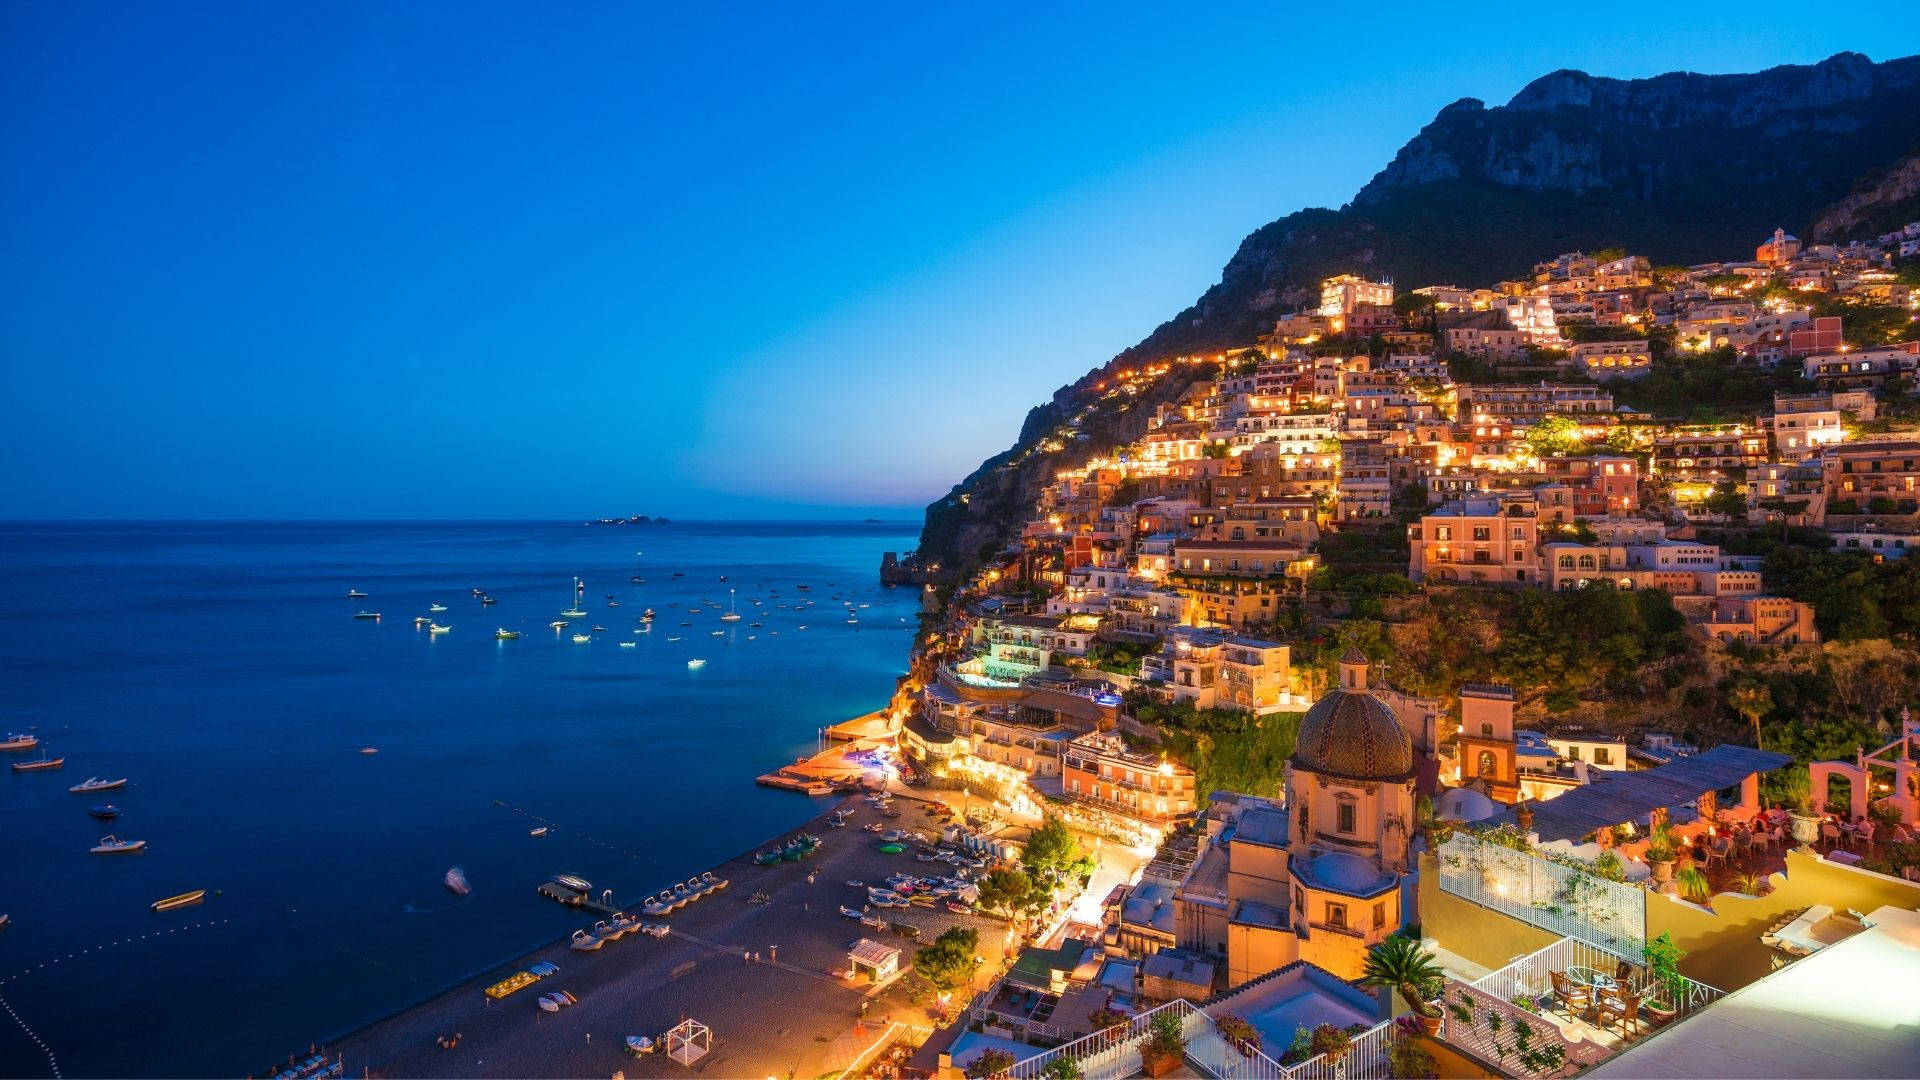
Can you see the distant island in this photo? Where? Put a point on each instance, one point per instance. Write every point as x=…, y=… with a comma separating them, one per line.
x=637, y=519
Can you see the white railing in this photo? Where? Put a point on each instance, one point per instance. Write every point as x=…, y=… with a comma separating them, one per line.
x=1365, y=1059
x=1114, y=1054
x=1531, y=976
x=1103, y=1055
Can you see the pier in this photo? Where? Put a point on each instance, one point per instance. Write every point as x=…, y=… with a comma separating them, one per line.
x=553, y=890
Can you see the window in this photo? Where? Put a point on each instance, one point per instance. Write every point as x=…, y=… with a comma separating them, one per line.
x=1380, y=915
x=1344, y=815
x=1566, y=562
x=1602, y=756
x=1486, y=728
x=1337, y=915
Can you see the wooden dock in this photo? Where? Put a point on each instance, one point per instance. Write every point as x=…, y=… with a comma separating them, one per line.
x=553, y=890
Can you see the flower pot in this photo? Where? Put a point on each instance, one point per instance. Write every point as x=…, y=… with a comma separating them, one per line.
x=1430, y=1025
x=1662, y=875
x=1158, y=1065
x=1806, y=829
x=1658, y=1010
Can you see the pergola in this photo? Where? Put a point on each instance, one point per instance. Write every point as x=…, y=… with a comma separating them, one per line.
x=689, y=1041
x=881, y=961
x=1614, y=798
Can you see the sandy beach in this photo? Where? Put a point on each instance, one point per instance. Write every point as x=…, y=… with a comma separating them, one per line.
x=785, y=1018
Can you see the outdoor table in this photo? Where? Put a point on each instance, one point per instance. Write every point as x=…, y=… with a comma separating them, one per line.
x=1592, y=978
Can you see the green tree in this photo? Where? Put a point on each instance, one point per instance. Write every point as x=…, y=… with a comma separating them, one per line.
x=1053, y=854
x=948, y=963
x=1004, y=890
x=1726, y=500
x=1752, y=700
x=1556, y=434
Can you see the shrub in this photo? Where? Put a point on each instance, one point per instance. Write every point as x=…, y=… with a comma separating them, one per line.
x=989, y=1063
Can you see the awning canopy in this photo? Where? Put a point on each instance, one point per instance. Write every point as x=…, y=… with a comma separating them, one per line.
x=1613, y=798
x=872, y=954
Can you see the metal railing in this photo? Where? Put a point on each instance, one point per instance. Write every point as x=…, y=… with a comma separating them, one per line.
x=1531, y=976
x=1543, y=893
x=1115, y=1053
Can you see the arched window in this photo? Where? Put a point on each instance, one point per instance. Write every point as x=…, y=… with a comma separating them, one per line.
x=1345, y=814
x=1486, y=728
x=1586, y=562
x=1566, y=562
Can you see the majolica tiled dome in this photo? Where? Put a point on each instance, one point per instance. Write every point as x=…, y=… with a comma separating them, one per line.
x=1352, y=734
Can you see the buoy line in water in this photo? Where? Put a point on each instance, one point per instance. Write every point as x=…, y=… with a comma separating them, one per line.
x=550, y=823
x=52, y=1062
x=24, y=972
x=381, y=964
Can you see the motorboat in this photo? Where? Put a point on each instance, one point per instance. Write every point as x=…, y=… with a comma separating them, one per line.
x=422, y=620
x=696, y=664
x=436, y=607
x=851, y=622
x=487, y=601
x=647, y=615
x=559, y=624
x=456, y=880
x=719, y=633
x=105, y=811
x=577, y=884
x=436, y=628
x=541, y=831
x=43, y=762
x=585, y=942
x=504, y=634
x=19, y=742
x=96, y=784
x=582, y=639
x=111, y=845
x=479, y=592
x=366, y=615
x=356, y=594
x=628, y=644
x=599, y=629
x=369, y=749
x=185, y=899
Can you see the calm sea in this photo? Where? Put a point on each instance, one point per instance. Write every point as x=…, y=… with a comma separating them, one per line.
x=218, y=667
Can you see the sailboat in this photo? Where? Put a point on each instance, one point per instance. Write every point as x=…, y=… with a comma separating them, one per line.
x=576, y=612
x=636, y=578
x=731, y=615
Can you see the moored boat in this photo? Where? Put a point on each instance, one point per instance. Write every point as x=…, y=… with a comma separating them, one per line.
x=578, y=884
x=105, y=811
x=585, y=942
x=436, y=628
x=112, y=845
x=356, y=594
x=42, y=762
x=184, y=899
x=696, y=663
x=367, y=615
x=93, y=783
x=504, y=634
x=436, y=607
x=15, y=741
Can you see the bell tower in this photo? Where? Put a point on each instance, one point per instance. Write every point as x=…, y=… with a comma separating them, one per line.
x=1485, y=747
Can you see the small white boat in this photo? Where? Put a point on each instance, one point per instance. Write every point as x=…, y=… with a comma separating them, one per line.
x=369, y=749
x=577, y=884
x=731, y=615
x=541, y=831
x=696, y=663
x=582, y=639
x=97, y=784
x=356, y=594
x=436, y=607
x=628, y=644
x=547, y=1004
x=504, y=634
x=422, y=620
x=456, y=880
x=436, y=628
x=110, y=845
x=558, y=624
x=719, y=633
x=366, y=615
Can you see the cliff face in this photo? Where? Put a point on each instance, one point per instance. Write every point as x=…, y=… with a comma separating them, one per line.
x=1682, y=168
x=1881, y=202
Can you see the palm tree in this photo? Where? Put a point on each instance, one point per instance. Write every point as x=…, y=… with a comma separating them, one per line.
x=1400, y=963
x=1752, y=701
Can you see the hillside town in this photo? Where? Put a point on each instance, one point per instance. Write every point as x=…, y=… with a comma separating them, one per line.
x=1359, y=849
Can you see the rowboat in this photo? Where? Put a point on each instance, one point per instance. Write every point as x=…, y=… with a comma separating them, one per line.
x=185, y=899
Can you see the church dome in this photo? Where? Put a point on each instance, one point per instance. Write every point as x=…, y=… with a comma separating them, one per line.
x=1352, y=734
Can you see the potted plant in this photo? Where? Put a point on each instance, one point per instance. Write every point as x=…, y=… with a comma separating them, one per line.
x=1332, y=1043
x=1797, y=786
x=1401, y=965
x=1105, y=1019
x=1239, y=1031
x=1660, y=856
x=1164, y=1048
x=1693, y=885
x=1669, y=987
x=989, y=1063
x=1406, y=1056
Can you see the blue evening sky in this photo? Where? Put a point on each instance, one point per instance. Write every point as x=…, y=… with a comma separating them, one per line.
x=474, y=260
